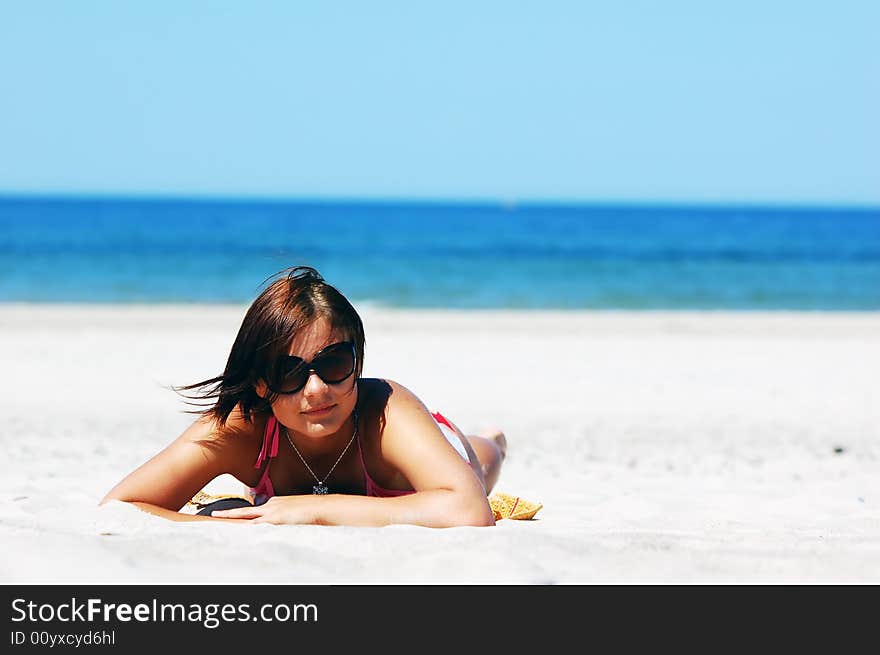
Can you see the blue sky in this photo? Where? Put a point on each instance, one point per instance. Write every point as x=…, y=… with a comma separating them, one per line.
x=748, y=102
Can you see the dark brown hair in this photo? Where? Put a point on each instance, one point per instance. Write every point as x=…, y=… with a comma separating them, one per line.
x=296, y=298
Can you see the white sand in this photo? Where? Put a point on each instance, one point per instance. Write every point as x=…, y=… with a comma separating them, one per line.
x=665, y=447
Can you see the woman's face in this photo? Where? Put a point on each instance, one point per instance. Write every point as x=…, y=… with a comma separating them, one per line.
x=318, y=409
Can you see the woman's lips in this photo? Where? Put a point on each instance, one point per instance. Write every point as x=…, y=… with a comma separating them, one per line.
x=319, y=410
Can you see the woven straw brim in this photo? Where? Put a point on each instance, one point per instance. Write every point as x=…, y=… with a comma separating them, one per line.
x=508, y=506
x=202, y=499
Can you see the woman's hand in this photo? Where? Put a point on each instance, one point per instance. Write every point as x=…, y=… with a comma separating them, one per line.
x=280, y=510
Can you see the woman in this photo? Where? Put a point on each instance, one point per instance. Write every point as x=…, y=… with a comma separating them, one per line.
x=315, y=442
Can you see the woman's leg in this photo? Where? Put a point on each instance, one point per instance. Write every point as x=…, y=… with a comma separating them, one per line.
x=486, y=451
x=490, y=447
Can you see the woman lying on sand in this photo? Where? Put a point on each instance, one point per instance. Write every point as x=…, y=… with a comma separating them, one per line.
x=315, y=442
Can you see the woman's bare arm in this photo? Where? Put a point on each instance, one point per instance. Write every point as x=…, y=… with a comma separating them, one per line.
x=167, y=481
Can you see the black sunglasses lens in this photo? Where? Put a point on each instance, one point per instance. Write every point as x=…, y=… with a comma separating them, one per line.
x=335, y=365
x=293, y=377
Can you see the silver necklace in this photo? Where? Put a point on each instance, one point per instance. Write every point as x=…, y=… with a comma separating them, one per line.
x=321, y=489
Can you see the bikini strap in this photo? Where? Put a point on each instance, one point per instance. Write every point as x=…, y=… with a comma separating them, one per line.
x=269, y=448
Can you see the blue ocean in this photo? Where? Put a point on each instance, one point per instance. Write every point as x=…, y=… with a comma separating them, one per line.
x=434, y=255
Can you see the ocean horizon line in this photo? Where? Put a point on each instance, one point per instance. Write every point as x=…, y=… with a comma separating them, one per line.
x=160, y=198
x=367, y=306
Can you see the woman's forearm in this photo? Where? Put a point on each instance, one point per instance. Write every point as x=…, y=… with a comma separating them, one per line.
x=439, y=508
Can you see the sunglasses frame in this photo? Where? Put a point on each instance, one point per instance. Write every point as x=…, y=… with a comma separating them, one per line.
x=311, y=369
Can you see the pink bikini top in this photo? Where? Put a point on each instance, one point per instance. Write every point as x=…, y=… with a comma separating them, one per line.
x=264, y=489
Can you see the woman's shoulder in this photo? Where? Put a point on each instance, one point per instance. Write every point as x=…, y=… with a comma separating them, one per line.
x=382, y=398
x=383, y=392
x=234, y=437
x=242, y=428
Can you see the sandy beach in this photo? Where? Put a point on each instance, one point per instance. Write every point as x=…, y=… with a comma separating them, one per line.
x=703, y=448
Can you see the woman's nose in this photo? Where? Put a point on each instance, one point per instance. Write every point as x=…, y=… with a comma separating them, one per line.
x=314, y=384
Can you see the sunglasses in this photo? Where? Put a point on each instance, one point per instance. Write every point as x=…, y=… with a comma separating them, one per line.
x=333, y=364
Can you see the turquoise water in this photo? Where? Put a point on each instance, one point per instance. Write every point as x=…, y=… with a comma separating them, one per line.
x=443, y=255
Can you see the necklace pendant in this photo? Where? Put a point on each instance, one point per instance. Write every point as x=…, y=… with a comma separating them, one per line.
x=320, y=490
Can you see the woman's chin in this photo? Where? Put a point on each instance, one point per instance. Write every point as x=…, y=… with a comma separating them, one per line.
x=322, y=423
x=320, y=426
